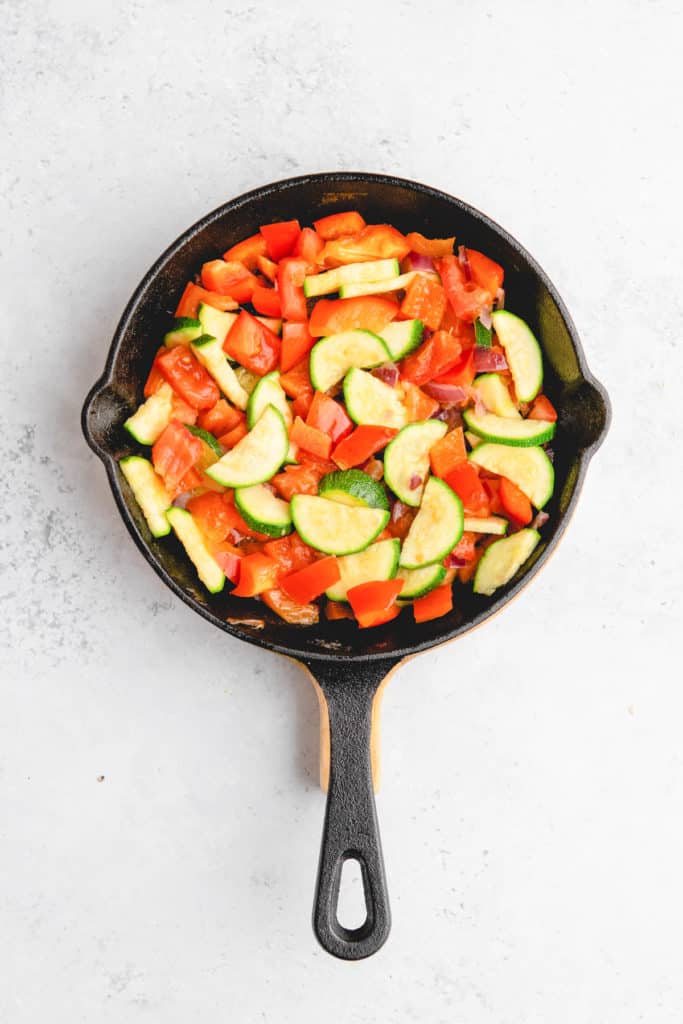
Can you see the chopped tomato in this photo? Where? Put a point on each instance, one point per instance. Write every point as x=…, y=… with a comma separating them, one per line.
x=258, y=573
x=307, y=584
x=424, y=300
x=433, y=247
x=460, y=375
x=155, y=378
x=193, y=295
x=543, y=409
x=267, y=268
x=374, y=242
x=182, y=412
x=485, y=272
x=252, y=344
x=329, y=417
x=175, y=452
x=266, y=301
x=187, y=376
x=466, y=298
x=492, y=488
x=418, y=405
x=213, y=515
x=465, y=481
x=448, y=453
x=235, y=435
x=310, y=439
x=280, y=238
x=189, y=482
x=374, y=603
x=301, y=406
x=370, y=312
x=361, y=444
x=247, y=251
x=308, y=246
x=290, y=280
x=432, y=358
x=220, y=418
x=290, y=553
x=297, y=381
x=433, y=605
x=337, y=224
x=300, y=479
x=296, y=343
x=229, y=278
x=228, y=557
x=466, y=572
x=515, y=502
x=465, y=549
x=335, y=610
x=292, y=612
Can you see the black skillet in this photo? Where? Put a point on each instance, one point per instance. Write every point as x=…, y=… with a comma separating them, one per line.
x=348, y=664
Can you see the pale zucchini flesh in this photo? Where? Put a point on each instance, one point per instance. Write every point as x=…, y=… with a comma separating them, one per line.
x=418, y=582
x=370, y=400
x=334, y=528
x=192, y=539
x=504, y=430
x=263, y=510
x=394, y=284
x=436, y=529
x=402, y=336
x=185, y=329
x=215, y=322
x=351, y=273
x=495, y=396
x=530, y=469
x=406, y=459
x=209, y=352
x=353, y=487
x=332, y=357
x=503, y=559
x=268, y=391
x=378, y=562
x=152, y=417
x=257, y=457
x=486, y=524
x=522, y=352
x=149, y=492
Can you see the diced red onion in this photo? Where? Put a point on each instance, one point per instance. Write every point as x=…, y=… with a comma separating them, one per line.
x=500, y=298
x=464, y=262
x=374, y=468
x=451, y=416
x=415, y=481
x=550, y=453
x=182, y=499
x=540, y=519
x=235, y=537
x=454, y=561
x=416, y=261
x=445, y=392
x=485, y=317
x=487, y=360
x=398, y=511
x=387, y=373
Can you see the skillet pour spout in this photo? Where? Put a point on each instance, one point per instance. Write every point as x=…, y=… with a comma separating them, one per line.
x=348, y=665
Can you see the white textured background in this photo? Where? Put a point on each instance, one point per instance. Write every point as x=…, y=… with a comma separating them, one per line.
x=531, y=816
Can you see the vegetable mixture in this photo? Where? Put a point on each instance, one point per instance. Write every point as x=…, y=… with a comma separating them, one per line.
x=344, y=418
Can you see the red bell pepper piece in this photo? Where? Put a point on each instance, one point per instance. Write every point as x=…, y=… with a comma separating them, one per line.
x=229, y=278
x=329, y=417
x=213, y=515
x=335, y=225
x=434, y=247
x=462, y=374
x=247, y=251
x=361, y=444
x=155, y=377
x=297, y=381
x=187, y=376
x=296, y=343
x=258, y=572
x=485, y=272
x=310, y=439
x=234, y=436
x=252, y=344
x=465, y=550
x=433, y=605
x=267, y=268
x=301, y=406
x=375, y=603
x=193, y=295
x=290, y=280
x=307, y=584
x=417, y=404
x=374, y=242
x=301, y=479
x=175, y=452
x=432, y=358
x=280, y=238
x=466, y=298
x=424, y=300
x=331, y=316
x=266, y=301
x=220, y=418
x=492, y=488
x=308, y=246
x=515, y=502
x=448, y=453
x=465, y=481
x=543, y=409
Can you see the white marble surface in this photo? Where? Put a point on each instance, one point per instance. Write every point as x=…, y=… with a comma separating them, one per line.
x=531, y=819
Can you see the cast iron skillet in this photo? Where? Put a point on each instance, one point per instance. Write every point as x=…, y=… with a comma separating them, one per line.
x=347, y=664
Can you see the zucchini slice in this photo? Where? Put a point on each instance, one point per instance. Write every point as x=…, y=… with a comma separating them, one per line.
x=152, y=417
x=375, y=287
x=192, y=539
x=529, y=468
x=352, y=273
x=208, y=439
x=482, y=335
x=436, y=528
x=523, y=353
x=269, y=391
x=378, y=562
x=334, y=528
x=209, y=352
x=184, y=330
x=257, y=457
x=215, y=322
x=486, y=524
x=504, y=430
x=353, y=487
x=263, y=510
x=402, y=336
x=496, y=397
x=406, y=459
x=369, y=400
x=502, y=559
x=418, y=582
x=332, y=357
x=149, y=492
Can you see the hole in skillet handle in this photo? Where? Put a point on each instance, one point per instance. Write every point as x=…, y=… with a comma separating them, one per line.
x=350, y=830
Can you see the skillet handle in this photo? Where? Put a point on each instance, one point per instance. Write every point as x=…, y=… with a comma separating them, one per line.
x=351, y=829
